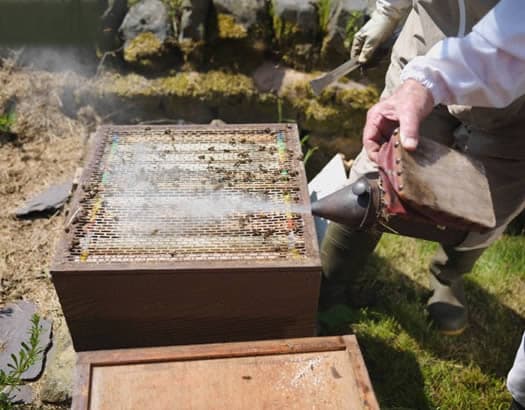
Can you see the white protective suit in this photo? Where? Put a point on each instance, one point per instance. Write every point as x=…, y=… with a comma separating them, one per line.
x=495, y=136
x=474, y=64
x=485, y=68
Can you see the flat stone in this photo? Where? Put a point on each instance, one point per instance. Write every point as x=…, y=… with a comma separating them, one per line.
x=189, y=22
x=15, y=329
x=21, y=394
x=57, y=381
x=269, y=77
x=147, y=16
x=246, y=12
x=49, y=200
x=301, y=14
x=278, y=79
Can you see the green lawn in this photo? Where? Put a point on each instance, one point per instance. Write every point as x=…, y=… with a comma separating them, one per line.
x=411, y=365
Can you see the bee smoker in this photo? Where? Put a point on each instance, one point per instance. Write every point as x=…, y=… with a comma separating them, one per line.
x=417, y=194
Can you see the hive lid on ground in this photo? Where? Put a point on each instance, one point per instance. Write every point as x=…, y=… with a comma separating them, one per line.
x=190, y=195
x=309, y=373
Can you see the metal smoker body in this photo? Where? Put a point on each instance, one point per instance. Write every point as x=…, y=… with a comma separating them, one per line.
x=417, y=194
x=357, y=206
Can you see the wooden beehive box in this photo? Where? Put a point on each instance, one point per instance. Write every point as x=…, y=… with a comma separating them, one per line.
x=311, y=373
x=189, y=234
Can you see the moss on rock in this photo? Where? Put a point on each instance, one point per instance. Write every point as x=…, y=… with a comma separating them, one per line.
x=339, y=111
x=202, y=86
x=141, y=47
x=228, y=28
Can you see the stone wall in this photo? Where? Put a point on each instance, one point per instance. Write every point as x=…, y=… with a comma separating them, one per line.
x=302, y=34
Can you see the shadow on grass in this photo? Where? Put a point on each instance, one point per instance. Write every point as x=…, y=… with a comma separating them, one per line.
x=490, y=341
x=397, y=378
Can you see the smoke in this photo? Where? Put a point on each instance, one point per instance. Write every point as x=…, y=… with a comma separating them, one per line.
x=213, y=205
x=132, y=187
x=79, y=60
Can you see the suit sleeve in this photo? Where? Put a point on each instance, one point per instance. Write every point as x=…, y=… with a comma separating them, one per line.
x=486, y=68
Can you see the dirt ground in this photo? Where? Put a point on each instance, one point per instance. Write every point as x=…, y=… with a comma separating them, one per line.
x=44, y=147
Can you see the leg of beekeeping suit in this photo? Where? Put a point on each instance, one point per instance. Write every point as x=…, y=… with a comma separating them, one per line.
x=516, y=378
x=447, y=307
x=343, y=255
x=344, y=251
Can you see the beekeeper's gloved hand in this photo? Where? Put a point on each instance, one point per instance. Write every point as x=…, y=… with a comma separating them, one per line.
x=378, y=29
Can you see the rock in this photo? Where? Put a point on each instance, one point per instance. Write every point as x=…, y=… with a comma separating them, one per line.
x=114, y=13
x=20, y=394
x=345, y=18
x=189, y=21
x=57, y=382
x=296, y=28
x=147, y=16
x=46, y=202
x=280, y=80
x=237, y=18
x=200, y=97
x=295, y=17
x=142, y=47
x=217, y=122
x=15, y=329
x=269, y=77
x=111, y=20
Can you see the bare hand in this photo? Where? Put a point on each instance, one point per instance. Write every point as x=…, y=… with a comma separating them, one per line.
x=406, y=108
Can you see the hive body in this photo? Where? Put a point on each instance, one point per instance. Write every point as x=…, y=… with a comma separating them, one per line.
x=189, y=234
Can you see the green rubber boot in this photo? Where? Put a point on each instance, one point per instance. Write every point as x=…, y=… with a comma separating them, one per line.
x=343, y=255
x=447, y=306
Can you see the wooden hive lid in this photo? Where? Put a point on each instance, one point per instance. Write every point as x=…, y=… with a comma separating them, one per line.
x=311, y=373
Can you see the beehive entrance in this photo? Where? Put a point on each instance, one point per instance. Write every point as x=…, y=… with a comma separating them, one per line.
x=193, y=193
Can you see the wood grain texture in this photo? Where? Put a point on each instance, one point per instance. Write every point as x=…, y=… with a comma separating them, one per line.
x=309, y=373
x=130, y=309
x=362, y=378
x=81, y=383
x=211, y=351
x=442, y=179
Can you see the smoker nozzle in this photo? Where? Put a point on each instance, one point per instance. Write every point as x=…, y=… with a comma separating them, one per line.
x=350, y=206
x=356, y=207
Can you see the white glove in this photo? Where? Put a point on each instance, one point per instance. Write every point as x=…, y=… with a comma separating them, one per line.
x=378, y=29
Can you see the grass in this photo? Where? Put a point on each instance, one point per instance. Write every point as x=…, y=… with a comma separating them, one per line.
x=7, y=121
x=354, y=23
x=324, y=8
x=411, y=365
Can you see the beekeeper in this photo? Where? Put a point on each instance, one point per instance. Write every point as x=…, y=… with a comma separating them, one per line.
x=436, y=76
x=450, y=56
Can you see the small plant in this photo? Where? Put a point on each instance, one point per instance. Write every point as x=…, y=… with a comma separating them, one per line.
x=279, y=110
x=7, y=121
x=324, y=9
x=304, y=140
x=310, y=151
x=353, y=24
x=280, y=117
x=26, y=358
x=276, y=21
